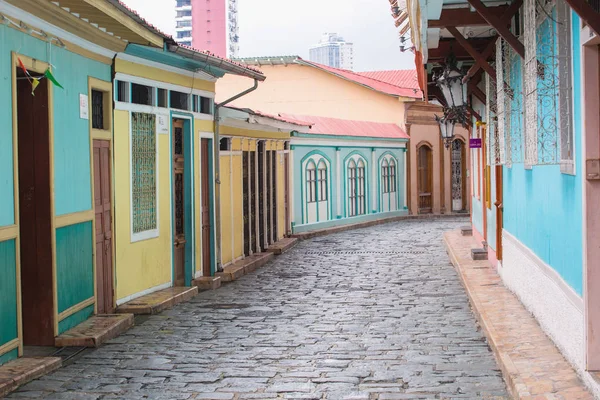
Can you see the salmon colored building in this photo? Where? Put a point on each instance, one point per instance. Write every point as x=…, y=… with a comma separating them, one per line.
x=437, y=176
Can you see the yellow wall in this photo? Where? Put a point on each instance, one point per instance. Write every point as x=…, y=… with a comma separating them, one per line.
x=199, y=126
x=309, y=91
x=159, y=75
x=232, y=200
x=145, y=264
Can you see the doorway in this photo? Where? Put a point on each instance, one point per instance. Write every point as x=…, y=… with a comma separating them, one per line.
x=179, y=244
x=458, y=177
x=35, y=213
x=286, y=198
x=261, y=196
x=102, y=207
x=205, y=207
x=425, y=179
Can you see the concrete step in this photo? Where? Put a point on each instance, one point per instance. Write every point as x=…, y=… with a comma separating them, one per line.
x=95, y=330
x=156, y=302
x=25, y=369
x=466, y=230
x=282, y=245
x=479, y=254
x=207, y=282
x=245, y=266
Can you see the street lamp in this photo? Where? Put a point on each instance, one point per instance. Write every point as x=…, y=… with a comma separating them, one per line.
x=450, y=82
x=446, y=129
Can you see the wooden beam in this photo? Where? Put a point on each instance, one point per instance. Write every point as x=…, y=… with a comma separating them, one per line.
x=475, y=91
x=486, y=54
x=499, y=25
x=587, y=13
x=448, y=45
x=462, y=17
x=474, y=113
x=476, y=56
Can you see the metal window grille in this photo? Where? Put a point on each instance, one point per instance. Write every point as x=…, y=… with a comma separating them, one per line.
x=531, y=73
x=322, y=182
x=385, y=176
x=143, y=174
x=514, y=112
x=499, y=154
x=361, y=187
x=97, y=109
x=311, y=184
x=392, y=174
x=491, y=138
x=352, y=189
x=563, y=13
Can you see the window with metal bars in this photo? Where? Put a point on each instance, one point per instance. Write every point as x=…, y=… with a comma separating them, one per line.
x=143, y=172
x=392, y=176
x=322, y=181
x=97, y=109
x=311, y=183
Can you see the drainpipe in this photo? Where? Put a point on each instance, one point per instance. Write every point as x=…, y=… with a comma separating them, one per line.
x=216, y=157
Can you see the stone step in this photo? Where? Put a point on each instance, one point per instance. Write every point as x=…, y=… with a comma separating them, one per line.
x=25, y=369
x=479, y=254
x=95, y=330
x=245, y=266
x=156, y=302
x=207, y=282
x=282, y=245
x=466, y=230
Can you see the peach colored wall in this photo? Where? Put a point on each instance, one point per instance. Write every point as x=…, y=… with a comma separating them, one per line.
x=309, y=91
x=418, y=135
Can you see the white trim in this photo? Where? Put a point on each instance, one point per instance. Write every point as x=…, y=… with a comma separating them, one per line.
x=242, y=124
x=122, y=106
x=142, y=61
x=231, y=153
x=206, y=135
x=143, y=293
x=119, y=76
x=30, y=19
x=547, y=270
x=316, y=159
x=316, y=142
x=153, y=233
x=338, y=173
x=286, y=126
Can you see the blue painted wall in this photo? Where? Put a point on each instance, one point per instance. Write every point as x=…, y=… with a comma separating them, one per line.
x=71, y=134
x=542, y=206
x=372, y=208
x=8, y=295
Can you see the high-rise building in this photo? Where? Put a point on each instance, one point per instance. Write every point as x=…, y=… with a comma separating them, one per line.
x=208, y=25
x=333, y=51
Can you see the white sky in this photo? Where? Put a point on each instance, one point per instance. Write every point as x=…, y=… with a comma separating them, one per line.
x=285, y=27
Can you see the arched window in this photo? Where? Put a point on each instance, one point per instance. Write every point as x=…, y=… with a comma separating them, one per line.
x=385, y=176
x=388, y=186
x=322, y=181
x=361, y=192
x=311, y=183
x=425, y=178
x=316, y=207
x=352, y=188
x=392, y=176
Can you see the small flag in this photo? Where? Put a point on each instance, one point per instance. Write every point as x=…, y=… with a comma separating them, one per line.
x=51, y=78
x=34, y=84
x=23, y=67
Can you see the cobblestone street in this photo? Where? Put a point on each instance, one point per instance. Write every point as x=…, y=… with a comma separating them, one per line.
x=376, y=313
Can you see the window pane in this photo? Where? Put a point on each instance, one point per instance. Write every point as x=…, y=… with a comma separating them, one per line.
x=141, y=94
x=206, y=105
x=179, y=100
x=162, y=98
x=97, y=109
x=123, y=91
x=143, y=171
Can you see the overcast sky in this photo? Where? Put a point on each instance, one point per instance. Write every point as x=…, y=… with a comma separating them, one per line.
x=284, y=27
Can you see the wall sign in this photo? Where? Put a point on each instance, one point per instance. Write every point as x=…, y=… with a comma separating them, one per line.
x=84, y=111
x=162, y=124
x=474, y=143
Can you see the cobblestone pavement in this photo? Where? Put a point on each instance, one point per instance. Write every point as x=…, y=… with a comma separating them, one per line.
x=376, y=313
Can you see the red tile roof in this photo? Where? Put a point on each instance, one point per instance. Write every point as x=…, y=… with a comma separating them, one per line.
x=374, y=84
x=406, y=78
x=345, y=127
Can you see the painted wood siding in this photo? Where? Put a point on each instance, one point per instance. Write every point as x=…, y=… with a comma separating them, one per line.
x=8, y=295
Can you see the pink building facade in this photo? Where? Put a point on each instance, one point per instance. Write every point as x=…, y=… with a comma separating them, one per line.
x=202, y=24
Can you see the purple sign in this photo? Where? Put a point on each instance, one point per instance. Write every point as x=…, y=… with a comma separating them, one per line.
x=474, y=143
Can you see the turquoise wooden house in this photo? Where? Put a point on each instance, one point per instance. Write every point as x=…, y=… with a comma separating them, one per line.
x=55, y=100
x=346, y=172
x=536, y=181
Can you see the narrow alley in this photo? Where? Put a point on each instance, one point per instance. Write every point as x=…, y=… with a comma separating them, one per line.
x=374, y=313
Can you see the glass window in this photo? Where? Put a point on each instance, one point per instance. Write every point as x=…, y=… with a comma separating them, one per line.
x=97, y=109
x=322, y=181
x=141, y=94
x=123, y=91
x=179, y=100
x=162, y=98
x=206, y=105
x=392, y=176
x=311, y=183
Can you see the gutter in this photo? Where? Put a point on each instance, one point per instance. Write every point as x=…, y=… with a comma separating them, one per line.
x=217, y=162
x=216, y=62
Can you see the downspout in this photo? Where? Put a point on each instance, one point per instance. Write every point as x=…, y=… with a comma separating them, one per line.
x=216, y=157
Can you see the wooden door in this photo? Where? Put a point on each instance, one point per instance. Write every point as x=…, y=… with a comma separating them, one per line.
x=286, y=196
x=102, y=207
x=35, y=215
x=425, y=179
x=262, y=197
x=499, y=212
x=179, y=203
x=205, y=207
x=458, y=178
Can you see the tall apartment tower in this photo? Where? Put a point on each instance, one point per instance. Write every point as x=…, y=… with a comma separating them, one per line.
x=333, y=51
x=208, y=25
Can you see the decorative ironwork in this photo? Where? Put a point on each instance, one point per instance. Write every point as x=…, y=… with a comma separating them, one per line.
x=97, y=109
x=514, y=113
x=563, y=13
x=491, y=139
x=498, y=156
x=457, y=175
x=531, y=74
x=179, y=204
x=178, y=142
x=143, y=173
